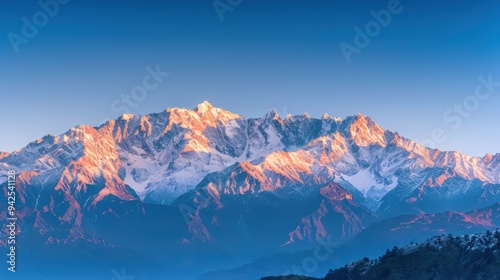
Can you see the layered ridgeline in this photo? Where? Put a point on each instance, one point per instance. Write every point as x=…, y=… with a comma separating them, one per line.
x=247, y=187
x=371, y=242
x=162, y=156
x=475, y=256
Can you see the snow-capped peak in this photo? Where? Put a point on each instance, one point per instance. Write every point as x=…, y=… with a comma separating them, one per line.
x=126, y=117
x=272, y=115
x=204, y=107
x=3, y=155
x=364, y=131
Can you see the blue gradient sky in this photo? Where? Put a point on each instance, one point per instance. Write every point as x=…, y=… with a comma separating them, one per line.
x=265, y=55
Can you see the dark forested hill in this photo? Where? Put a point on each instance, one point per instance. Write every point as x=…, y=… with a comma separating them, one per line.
x=441, y=257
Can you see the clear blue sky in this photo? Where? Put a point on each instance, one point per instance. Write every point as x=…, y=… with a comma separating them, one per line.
x=264, y=55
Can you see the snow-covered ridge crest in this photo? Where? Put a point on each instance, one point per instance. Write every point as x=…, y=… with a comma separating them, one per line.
x=163, y=155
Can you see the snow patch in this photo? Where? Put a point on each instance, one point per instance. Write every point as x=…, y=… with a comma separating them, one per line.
x=368, y=185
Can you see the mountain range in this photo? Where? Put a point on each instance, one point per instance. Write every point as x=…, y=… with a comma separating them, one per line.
x=208, y=183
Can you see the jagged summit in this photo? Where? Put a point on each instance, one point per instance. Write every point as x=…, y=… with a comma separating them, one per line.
x=126, y=117
x=359, y=117
x=204, y=107
x=272, y=115
x=3, y=155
